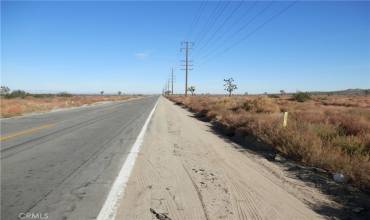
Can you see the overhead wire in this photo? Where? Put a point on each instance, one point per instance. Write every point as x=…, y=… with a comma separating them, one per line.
x=214, y=34
x=279, y=13
x=201, y=32
x=196, y=19
x=229, y=28
x=217, y=16
x=242, y=28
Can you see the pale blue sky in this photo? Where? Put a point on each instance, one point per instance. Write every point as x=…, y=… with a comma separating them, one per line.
x=131, y=46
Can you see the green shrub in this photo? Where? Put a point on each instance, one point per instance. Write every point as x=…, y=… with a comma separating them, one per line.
x=301, y=96
x=274, y=96
x=41, y=95
x=326, y=132
x=16, y=94
x=64, y=94
x=350, y=144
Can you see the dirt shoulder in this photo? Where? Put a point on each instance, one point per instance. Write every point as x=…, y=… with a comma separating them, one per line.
x=185, y=171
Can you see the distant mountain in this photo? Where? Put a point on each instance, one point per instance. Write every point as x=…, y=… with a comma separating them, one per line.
x=344, y=92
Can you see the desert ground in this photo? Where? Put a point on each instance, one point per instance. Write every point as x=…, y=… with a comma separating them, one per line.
x=188, y=170
x=330, y=132
x=29, y=104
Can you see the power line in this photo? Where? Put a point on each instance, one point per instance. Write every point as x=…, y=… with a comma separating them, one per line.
x=207, y=21
x=237, y=21
x=196, y=19
x=256, y=29
x=218, y=15
x=222, y=25
x=244, y=26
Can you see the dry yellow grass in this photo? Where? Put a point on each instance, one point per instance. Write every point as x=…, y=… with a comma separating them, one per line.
x=331, y=132
x=19, y=106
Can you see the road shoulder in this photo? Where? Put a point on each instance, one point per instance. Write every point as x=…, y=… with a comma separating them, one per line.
x=185, y=171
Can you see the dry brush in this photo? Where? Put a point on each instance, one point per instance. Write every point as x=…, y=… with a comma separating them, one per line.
x=323, y=132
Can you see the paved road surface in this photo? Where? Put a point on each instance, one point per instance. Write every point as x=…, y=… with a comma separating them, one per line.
x=62, y=164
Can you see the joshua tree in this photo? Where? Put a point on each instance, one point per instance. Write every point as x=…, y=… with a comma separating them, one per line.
x=101, y=92
x=4, y=90
x=191, y=89
x=119, y=93
x=229, y=85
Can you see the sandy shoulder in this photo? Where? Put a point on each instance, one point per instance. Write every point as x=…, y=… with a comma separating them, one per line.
x=185, y=171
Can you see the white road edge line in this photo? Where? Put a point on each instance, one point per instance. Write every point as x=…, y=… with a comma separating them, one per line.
x=109, y=209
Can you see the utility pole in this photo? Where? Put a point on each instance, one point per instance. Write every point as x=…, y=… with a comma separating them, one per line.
x=168, y=86
x=187, y=47
x=186, y=67
x=172, y=80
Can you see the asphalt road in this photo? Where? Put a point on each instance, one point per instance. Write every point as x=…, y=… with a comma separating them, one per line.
x=62, y=164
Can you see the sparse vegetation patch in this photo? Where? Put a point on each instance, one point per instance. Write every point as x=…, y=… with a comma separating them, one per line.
x=301, y=96
x=19, y=102
x=336, y=138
